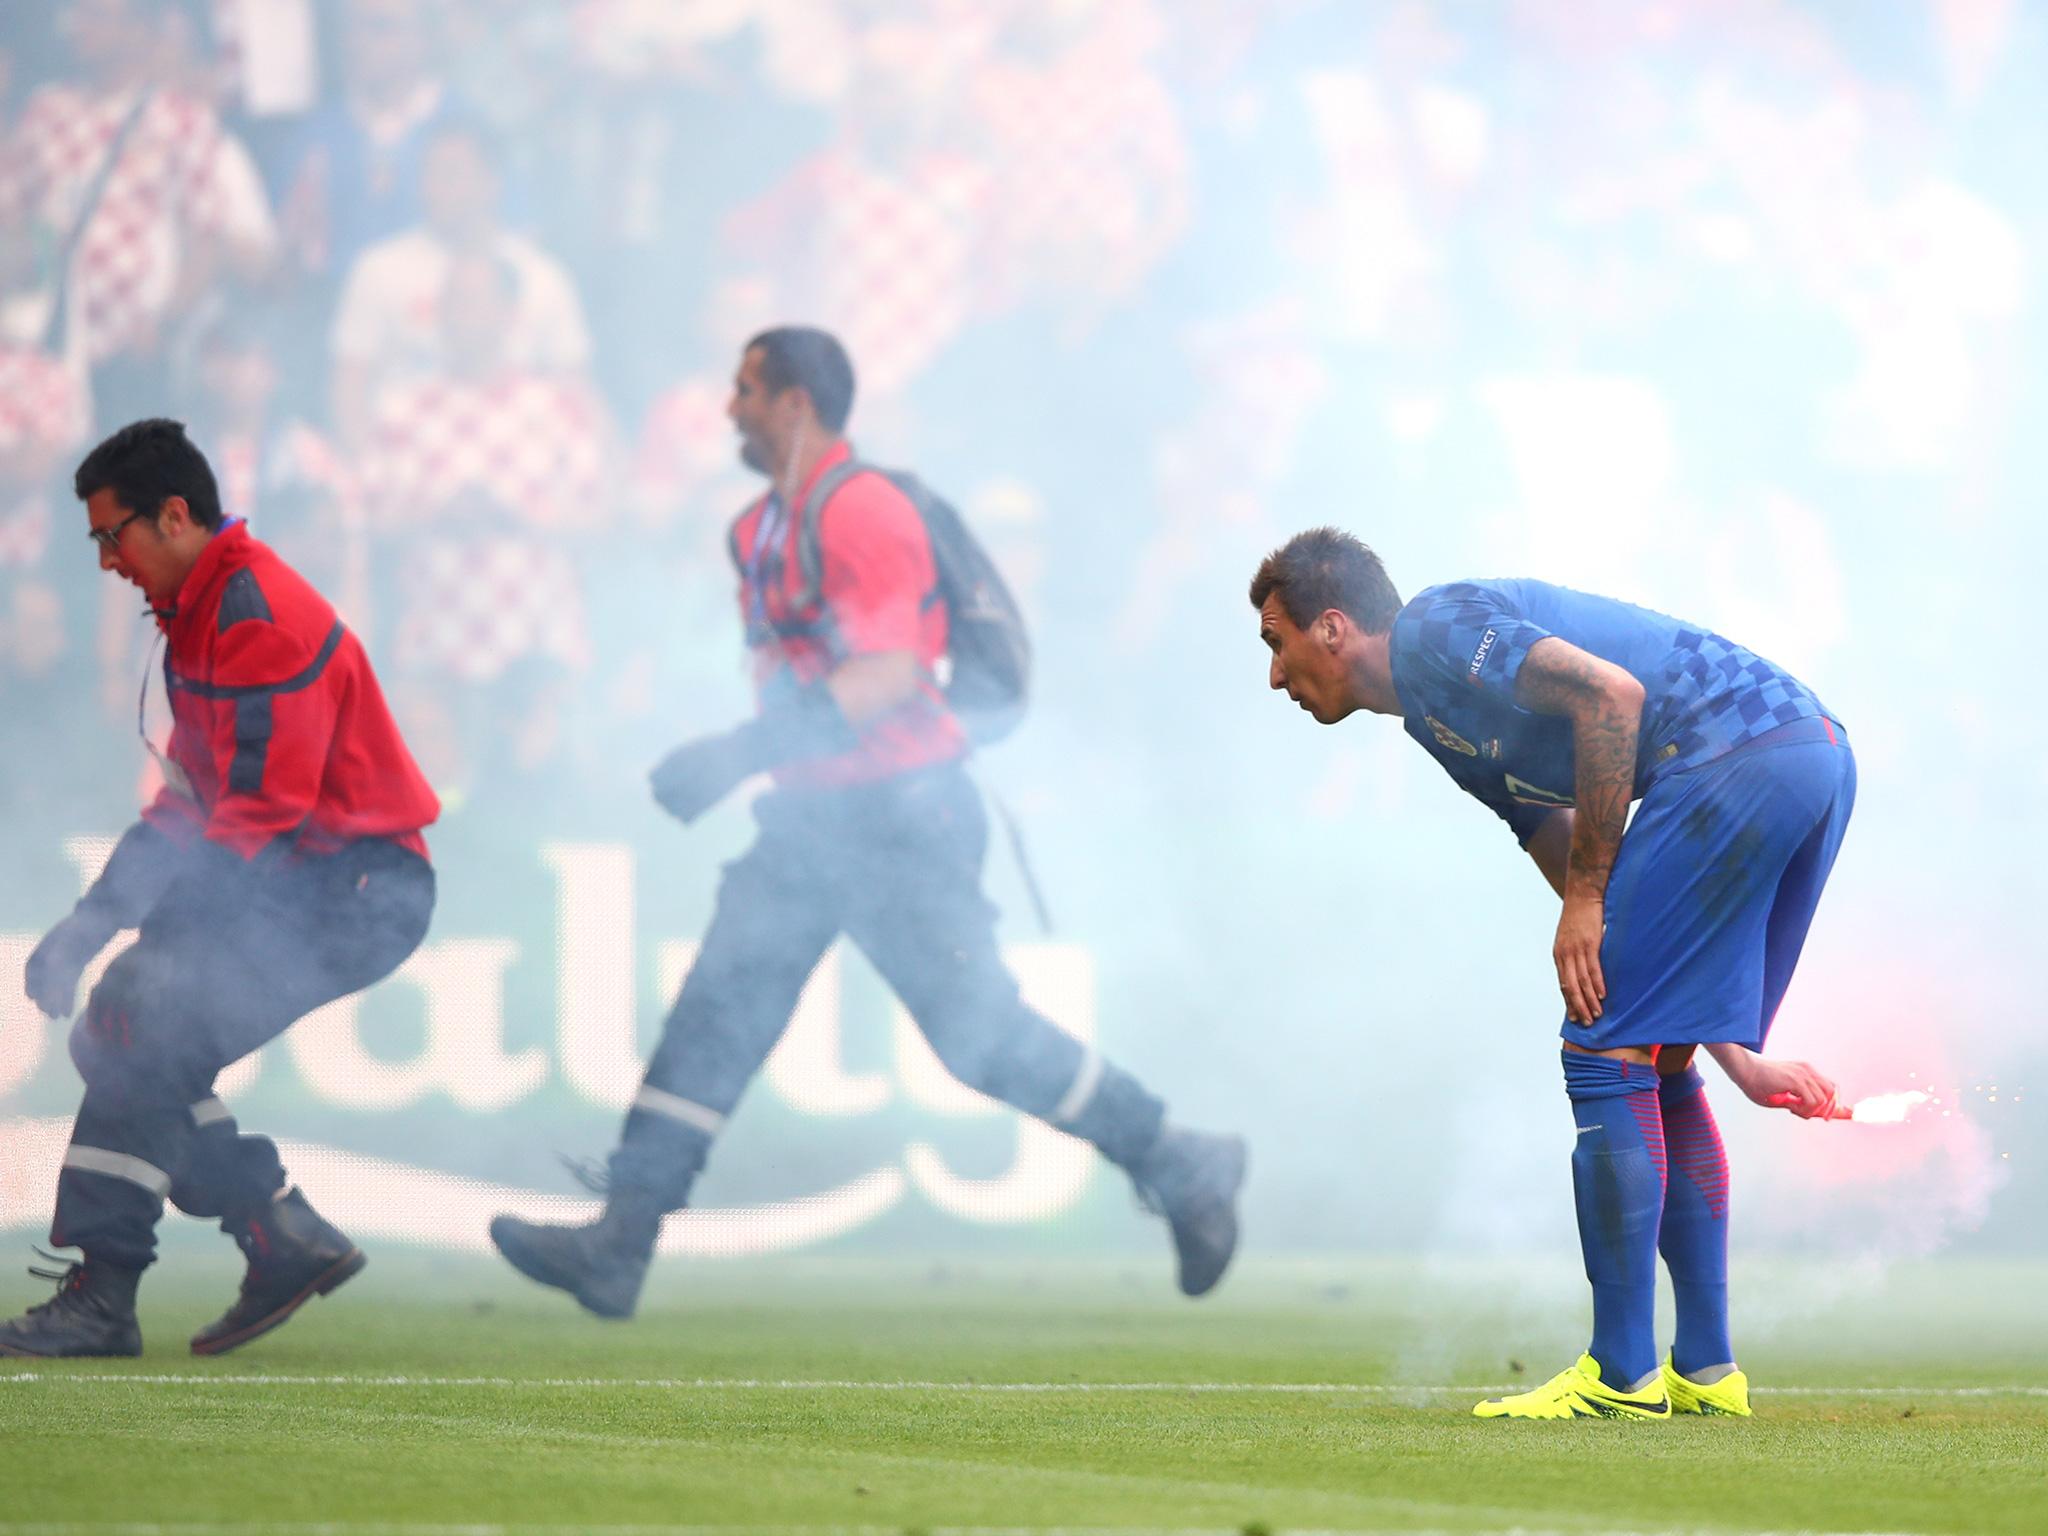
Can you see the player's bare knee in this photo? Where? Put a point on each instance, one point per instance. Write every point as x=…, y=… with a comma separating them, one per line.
x=1674, y=1059
x=1642, y=1055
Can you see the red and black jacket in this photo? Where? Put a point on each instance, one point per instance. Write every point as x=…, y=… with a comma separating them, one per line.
x=282, y=737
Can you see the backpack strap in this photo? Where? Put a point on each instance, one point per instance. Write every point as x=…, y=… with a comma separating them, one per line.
x=807, y=543
x=732, y=539
x=810, y=555
x=916, y=493
x=810, y=540
x=810, y=552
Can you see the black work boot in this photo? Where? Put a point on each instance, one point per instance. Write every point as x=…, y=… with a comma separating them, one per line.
x=294, y=1254
x=602, y=1264
x=1192, y=1178
x=93, y=1313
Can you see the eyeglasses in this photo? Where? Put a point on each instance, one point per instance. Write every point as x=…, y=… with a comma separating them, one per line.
x=109, y=539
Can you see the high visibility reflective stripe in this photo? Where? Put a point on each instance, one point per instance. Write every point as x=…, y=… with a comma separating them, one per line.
x=1081, y=1090
x=210, y=1112
x=119, y=1165
x=655, y=1101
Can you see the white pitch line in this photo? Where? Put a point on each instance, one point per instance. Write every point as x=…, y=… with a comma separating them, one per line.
x=375, y=1528
x=722, y=1383
x=751, y=1384
x=418, y=1528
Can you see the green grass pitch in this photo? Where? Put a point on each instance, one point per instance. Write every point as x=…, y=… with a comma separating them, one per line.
x=443, y=1397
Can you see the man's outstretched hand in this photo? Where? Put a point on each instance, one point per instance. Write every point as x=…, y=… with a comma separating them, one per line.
x=51, y=976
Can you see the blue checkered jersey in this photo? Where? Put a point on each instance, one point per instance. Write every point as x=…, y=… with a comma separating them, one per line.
x=1458, y=648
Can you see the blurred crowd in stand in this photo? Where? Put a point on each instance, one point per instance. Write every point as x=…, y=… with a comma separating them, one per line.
x=450, y=292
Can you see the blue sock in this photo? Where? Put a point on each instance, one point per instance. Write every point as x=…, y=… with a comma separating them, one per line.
x=1618, y=1180
x=1694, y=1236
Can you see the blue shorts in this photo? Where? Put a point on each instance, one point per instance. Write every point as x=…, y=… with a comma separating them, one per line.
x=1714, y=887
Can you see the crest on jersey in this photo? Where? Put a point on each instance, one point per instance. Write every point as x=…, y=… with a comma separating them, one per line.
x=1446, y=737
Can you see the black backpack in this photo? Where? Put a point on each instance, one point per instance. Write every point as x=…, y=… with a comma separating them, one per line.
x=988, y=652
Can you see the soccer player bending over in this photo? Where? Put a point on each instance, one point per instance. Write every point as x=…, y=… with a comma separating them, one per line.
x=281, y=867
x=1557, y=709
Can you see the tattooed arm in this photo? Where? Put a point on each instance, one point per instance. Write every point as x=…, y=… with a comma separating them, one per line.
x=1605, y=705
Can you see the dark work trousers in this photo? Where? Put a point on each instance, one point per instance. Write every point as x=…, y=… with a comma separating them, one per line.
x=201, y=987
x=896, y=866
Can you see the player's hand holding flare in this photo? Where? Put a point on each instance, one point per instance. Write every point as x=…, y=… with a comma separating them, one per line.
x=1794, y=1086
x=1577, y=953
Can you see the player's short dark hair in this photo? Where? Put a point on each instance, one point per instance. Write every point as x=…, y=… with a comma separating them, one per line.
x=145, y=464
x=1325, y=568
x=806, y=357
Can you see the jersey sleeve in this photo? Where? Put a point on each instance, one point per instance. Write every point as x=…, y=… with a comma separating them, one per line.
x=270, y=741
x=877, y=567
x=1470, y=635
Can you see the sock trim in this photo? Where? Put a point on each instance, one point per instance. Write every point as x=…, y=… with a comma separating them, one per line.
x=1604, y=1077
x=1680, y=1087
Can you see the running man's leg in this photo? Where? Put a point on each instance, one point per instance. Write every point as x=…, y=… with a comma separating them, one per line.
x=212, y=975
x=930, y=931
x=146, y=1054
x=326, y=927
x=776, y=915
x=925, y=924
x=332, y=925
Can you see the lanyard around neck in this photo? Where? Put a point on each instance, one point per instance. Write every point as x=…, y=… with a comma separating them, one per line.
x=765, y=560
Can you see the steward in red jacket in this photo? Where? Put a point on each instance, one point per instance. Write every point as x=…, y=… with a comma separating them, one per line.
x=282, y=745
x=280, y=867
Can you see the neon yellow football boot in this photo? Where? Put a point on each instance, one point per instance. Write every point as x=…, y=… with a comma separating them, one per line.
x=1729, y=1395
x=1579, y=1393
